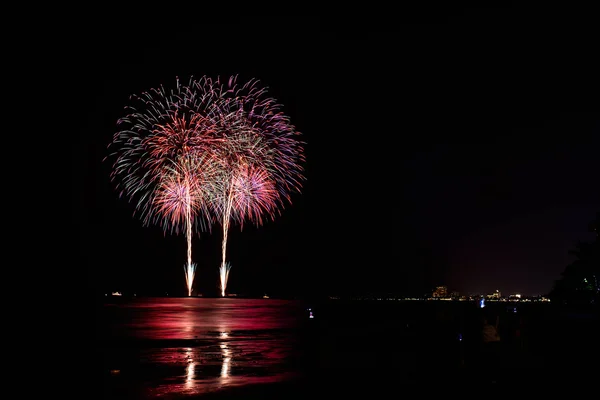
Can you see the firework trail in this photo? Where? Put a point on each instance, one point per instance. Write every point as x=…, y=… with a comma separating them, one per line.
x=162, y=158
x=189, y=270
x=250, y=193
x=224, y=276
x=260, y=159
x=174, y=200
x=183, y=193
x=206, y=152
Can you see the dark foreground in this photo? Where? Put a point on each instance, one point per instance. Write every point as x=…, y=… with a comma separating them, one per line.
x=348, y=350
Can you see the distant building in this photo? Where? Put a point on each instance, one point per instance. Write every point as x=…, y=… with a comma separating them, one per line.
x=496, y=295
x=441, y=292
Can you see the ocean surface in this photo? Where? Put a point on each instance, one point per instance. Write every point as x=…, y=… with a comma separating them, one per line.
x=198, y=347
x=152, y=347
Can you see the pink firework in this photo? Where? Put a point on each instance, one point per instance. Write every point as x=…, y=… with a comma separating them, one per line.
x=161, y=129
x=207, y=151
x=161, y=157
x=182, y=197
x=184, y=193
x=254, y=195
x=260, y=158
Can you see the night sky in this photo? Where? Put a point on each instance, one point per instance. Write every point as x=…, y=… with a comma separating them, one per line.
x=457, y=148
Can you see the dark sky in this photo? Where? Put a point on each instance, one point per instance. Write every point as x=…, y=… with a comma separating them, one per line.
x=457, y=147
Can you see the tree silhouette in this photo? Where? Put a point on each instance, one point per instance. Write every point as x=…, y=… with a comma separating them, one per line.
x=580, y=281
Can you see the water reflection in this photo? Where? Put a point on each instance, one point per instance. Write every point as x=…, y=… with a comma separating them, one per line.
x=197, y=345
x=226, y=353
x=190, y=370
x=191, y=366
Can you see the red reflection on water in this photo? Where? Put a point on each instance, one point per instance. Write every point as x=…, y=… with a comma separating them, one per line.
x=194, y=318
x=226, y=354
x=190, y=371
x=201, y=345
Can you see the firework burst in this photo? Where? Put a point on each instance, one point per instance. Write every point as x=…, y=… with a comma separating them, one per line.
x=183, y=195
x=204, y=152
x=260, y=158
x=162, y=158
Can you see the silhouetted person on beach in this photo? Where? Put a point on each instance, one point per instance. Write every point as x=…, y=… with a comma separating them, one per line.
x=489, y=351
x=489, y=332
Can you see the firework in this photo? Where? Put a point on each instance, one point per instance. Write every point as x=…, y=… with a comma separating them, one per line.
x=177, y=200
x=164, y=132
x=206, y=152
x=190, y=271
x=183, y=195
x=162, y=158
x=224, y=276
x=259, y=156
